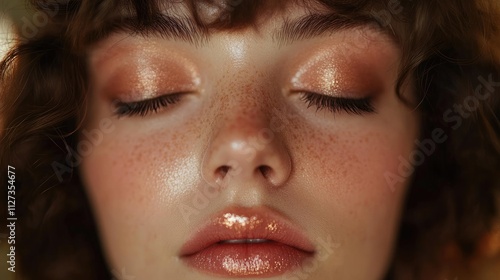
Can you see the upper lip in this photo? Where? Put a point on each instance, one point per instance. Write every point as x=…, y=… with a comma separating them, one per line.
x=238, y=223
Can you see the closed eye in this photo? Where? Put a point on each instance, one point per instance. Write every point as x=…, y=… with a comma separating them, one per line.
x=145, y=107
x=357, y=106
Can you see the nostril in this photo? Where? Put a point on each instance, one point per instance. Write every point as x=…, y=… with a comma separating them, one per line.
x=222, y=171
x=265, y=170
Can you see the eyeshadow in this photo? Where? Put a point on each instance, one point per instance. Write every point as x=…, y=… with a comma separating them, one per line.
x=134, y=74
x=321, y=76
x=334, y=73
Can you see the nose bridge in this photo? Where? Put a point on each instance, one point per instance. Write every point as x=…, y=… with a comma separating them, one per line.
x=247, y=100
x=248, y=110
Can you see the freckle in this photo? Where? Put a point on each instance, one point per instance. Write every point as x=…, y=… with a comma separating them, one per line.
x=332, y=138
x=139, y=156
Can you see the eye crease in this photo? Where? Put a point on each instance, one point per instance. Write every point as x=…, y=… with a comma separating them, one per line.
x=356, y=106
x=145, y=107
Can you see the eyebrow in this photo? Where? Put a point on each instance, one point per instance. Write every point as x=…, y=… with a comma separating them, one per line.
x=315, y=25
x=163, y=26
x=185, y=29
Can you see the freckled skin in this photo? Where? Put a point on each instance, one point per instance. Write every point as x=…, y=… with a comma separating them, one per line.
x=326, y=170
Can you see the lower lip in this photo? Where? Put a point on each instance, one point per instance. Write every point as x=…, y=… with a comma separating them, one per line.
x=248, y=260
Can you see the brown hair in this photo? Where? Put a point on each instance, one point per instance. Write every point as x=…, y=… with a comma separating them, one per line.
x=450, y=48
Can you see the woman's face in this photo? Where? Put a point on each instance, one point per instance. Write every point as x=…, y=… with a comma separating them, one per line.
x=250, y=153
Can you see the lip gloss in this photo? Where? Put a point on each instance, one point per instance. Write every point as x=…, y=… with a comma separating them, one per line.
x=243, y=242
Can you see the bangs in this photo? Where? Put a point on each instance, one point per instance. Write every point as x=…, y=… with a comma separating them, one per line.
x=92, y=20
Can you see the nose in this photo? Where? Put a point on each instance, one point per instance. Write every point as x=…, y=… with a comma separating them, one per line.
x=246, y=150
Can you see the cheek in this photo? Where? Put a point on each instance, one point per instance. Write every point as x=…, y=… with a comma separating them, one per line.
x=350, y=175
x=354, y=160
x=133, y=183
x=349, y=193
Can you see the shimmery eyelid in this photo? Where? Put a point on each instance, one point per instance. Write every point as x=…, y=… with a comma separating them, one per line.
x=326, y=80
x=141, y=74
x=336, y=72
x=321, y=73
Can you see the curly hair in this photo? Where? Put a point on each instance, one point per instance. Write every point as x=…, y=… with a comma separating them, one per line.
x=451, y=48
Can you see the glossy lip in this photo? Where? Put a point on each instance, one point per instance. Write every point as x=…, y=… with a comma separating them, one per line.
x=208, y=249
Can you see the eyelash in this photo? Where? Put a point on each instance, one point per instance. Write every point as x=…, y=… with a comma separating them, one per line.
x=336, y=104
x=144, y=107
x=333, y=104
